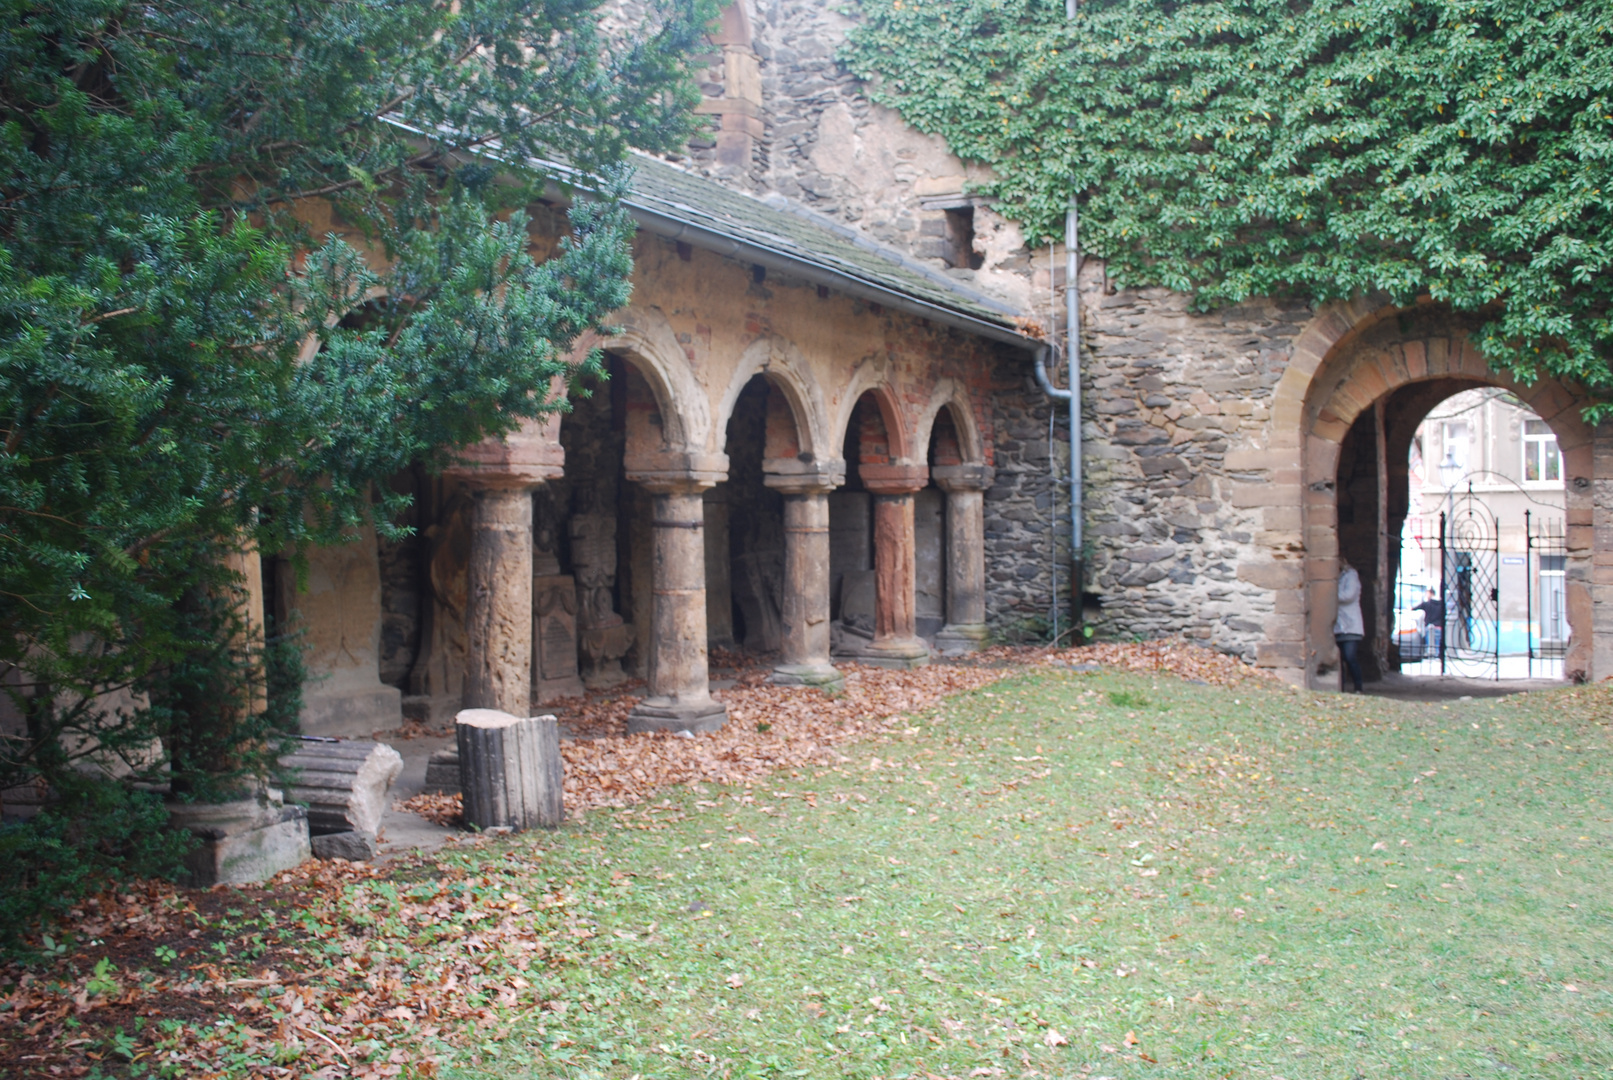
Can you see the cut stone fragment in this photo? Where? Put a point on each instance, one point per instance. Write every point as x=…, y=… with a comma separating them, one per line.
x=343, y=784
x=352, y=846
x=242, y=842
x=510, y=770
x=442, y=773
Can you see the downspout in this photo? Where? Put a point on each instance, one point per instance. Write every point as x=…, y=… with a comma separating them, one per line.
x=1072, y=334
x=1072, y=395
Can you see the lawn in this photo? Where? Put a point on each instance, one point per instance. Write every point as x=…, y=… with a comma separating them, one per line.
x=1061, y=874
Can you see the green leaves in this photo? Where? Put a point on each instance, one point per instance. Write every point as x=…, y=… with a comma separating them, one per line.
x=1230, y=149
x=194, y=355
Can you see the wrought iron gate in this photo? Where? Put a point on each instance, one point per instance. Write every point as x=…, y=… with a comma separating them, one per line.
x=1547, y=563
x=1477, y=636
x=1472, y=574
x=1467, y=552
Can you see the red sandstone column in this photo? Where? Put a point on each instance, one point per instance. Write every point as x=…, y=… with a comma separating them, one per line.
x=895, y=644
x=965, y=486
x=679, y=696
x=805, y=593
x=498, y=615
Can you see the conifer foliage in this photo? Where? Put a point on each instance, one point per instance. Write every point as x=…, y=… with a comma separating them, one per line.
x=1453, y=149
x=192, y=363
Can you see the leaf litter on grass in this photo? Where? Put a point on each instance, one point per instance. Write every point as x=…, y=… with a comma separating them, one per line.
x=338, y=969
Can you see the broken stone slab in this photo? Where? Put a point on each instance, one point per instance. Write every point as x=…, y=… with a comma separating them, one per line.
x=244, y=841
x=510, y=770
x=352, y=846
x=344, y=784
x=442, y=773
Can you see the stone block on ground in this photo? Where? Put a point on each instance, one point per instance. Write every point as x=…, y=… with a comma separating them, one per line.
x=510, y=769
x=344, y=784
x=442, y=773
x=242, y=842
x=352, y=846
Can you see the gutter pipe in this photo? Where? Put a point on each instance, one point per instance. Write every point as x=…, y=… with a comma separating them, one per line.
x=1072, y=395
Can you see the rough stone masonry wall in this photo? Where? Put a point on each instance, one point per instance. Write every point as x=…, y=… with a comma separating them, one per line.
x=1177, y=411
x=1026, y=502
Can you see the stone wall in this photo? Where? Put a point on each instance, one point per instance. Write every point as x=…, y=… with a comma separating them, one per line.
x=1178, y=406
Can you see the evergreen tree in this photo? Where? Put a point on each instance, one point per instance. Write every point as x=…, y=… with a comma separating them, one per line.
x=181, y=371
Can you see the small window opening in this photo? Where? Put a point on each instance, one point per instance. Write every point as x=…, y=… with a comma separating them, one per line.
x=1541, y=459
x=961, y=251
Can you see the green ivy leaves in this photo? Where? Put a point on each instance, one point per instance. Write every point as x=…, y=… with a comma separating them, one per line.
x=1233, y=148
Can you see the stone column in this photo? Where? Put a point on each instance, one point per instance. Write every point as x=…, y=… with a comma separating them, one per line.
x=895, y=643
x=679, y=697
x=965, y=486
x=805, y=592
x=498, y=604
x=498, y=615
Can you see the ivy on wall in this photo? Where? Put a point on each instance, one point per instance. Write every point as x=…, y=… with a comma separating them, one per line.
x=1237, y=148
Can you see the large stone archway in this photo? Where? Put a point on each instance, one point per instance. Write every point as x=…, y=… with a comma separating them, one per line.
x=1413, y=359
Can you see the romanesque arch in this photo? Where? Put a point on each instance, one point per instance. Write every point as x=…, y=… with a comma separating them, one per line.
x=952, y=395
x=786, y=370
x=648, y=342
x=866, y=381
x=1348, y=359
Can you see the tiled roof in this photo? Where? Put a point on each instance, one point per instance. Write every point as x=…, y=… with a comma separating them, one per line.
x=812, y=245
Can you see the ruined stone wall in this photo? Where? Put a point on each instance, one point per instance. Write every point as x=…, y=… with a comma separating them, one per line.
x=1178, y=409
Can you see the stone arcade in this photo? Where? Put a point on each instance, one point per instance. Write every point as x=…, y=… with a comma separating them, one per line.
x=822, y=437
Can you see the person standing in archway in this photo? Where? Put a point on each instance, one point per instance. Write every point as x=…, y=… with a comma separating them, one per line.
x=1348, y=626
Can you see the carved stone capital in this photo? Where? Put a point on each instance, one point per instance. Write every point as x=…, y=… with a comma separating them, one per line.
x=672, y=473
x=963, y=477
x=894, y=479
x=794, y=477
x=524, y=458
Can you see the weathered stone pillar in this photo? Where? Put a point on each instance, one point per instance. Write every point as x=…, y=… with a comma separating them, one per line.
x=498, y=615
x=679, y=697
x=895, y=644
x=965, y=486
x=805, y=593
x=498, y=605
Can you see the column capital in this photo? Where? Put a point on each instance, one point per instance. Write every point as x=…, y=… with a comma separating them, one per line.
x=523, y=458
x=795, y=477
x=963, y=477
x=894, y=479
x=674, y=473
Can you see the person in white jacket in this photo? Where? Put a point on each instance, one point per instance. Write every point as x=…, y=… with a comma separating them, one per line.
x=1348, y=628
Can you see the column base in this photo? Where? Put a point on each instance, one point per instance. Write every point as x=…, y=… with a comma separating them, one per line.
x=961, y=639
x=823, y=676
x=663, y=714
x=897, y=653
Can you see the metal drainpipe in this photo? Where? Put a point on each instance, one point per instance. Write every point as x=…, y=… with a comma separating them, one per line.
x=1071, y=396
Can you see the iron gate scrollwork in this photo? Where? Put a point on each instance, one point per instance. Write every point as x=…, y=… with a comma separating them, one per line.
x=1470, y=556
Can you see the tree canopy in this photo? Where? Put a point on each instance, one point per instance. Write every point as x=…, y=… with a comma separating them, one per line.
x=181, y=373
x=1446, y=149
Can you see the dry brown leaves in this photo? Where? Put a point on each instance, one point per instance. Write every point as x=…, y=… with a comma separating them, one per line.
x=780, y=727
x=331, y=1000
x=444, y=810
x=769, y=728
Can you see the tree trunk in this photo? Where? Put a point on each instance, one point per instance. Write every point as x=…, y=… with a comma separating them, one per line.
x=510, y=770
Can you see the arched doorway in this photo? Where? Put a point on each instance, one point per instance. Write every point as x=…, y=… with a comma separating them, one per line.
x=1370, y=396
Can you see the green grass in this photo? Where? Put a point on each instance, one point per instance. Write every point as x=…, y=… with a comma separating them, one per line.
x=1250, y=882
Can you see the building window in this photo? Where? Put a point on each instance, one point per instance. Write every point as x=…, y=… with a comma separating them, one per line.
x=961, y=253
x=1541, y=459
x=1456, y=441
